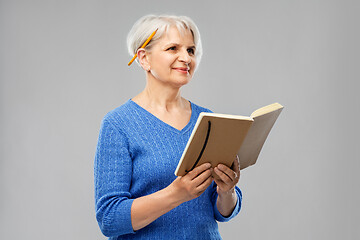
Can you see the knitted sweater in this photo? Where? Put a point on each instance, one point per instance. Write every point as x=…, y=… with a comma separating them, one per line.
x=137, y=155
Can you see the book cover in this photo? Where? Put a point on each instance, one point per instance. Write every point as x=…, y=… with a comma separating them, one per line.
x=218, y=138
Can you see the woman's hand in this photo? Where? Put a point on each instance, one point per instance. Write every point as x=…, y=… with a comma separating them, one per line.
x=193, y=184
x=146, y=209
x=227, y=178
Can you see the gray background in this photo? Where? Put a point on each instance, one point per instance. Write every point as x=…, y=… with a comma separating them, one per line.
x=64, y=66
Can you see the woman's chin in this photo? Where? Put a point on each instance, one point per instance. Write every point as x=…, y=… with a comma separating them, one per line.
x=182, y=80
x=180, y=83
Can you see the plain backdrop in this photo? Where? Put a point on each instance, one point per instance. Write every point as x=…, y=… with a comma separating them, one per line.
x=63, y=66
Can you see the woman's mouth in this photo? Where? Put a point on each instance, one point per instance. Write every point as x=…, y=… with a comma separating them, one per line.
x=182, y=70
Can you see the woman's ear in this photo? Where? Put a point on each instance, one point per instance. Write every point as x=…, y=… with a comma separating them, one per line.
x=143, y=59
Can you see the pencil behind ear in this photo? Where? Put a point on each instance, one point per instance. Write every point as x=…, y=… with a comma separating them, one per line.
x=143, y=60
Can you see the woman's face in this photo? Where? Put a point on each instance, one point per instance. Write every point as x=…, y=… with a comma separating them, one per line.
x=172, y=58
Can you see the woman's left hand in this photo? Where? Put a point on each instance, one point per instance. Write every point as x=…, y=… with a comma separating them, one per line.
x=227, y=178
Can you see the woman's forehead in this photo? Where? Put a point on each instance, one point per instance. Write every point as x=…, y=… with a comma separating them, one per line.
x=173, y=35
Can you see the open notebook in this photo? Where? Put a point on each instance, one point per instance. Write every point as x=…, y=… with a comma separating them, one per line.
x=218, y=138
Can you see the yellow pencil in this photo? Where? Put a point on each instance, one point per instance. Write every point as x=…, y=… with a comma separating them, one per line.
x=144, y=45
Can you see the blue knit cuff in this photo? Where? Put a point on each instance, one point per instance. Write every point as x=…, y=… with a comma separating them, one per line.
x=119, y=221
x=126, y=217
x=235, y=212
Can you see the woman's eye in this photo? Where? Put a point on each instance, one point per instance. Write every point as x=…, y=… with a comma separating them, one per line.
x=191, y=51
x=172, y=48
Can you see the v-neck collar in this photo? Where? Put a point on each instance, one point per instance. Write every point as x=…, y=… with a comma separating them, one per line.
x=156, y=119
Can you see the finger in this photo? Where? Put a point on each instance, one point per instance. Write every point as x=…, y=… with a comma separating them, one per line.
x=236, y=165
x=202, y=187
x=236, y=168
x=220, y=183
x=223, y=176
x=199, y=169
x=228, y=171
x=198, y=180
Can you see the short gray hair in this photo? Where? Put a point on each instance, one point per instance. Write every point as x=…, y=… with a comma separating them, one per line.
x=146, y=25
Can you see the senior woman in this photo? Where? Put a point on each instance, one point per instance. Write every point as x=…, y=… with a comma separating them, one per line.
x=140, y=143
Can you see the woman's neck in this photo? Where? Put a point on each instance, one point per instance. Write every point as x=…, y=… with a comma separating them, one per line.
x=161, y=97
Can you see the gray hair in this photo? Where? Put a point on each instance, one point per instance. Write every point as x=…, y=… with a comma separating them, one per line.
x=146, y=25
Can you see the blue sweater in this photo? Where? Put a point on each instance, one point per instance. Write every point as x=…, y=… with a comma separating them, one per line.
x=137, y=155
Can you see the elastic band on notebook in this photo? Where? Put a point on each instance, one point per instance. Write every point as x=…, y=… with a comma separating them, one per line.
x=203, y=148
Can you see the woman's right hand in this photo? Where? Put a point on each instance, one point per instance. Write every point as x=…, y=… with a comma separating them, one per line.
x=146, y=209
x=193, y=184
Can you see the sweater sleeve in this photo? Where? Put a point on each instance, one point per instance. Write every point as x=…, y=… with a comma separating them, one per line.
x=112, y=173
x=236, y=210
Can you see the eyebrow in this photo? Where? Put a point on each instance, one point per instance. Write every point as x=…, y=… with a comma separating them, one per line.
x=176, y=44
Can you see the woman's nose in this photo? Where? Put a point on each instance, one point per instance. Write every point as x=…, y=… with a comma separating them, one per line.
x=184, y=56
